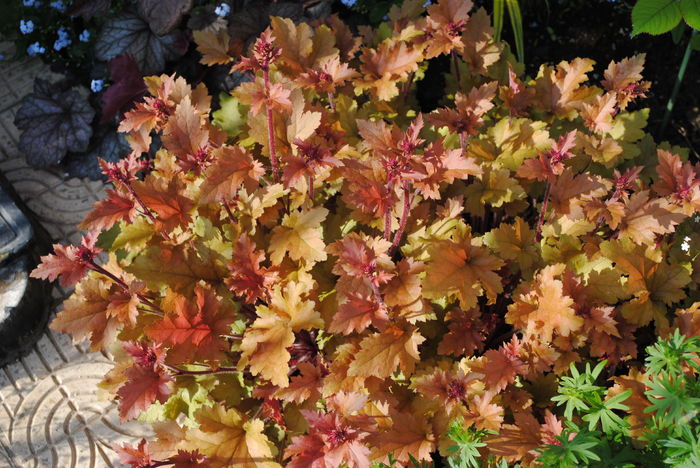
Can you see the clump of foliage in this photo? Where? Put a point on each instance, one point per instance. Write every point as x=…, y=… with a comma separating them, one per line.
x=104, y=49
x=662, y=427
x=322, y=276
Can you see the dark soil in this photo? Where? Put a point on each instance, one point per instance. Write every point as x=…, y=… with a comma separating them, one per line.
x=556, y=30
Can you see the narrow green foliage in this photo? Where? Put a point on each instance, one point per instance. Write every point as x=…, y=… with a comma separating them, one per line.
x=573, y=448
x=672, y=428
x=465, y=452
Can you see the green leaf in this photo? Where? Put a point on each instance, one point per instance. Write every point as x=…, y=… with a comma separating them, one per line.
x=516, y=22
x=498, y=15
x=695, y=42
x=691, y=12
x=230, y=118
x=629, y=126
x=106, y=238
x=670, y=402
x=134, y=235
x=677, y=33
x=655, y=16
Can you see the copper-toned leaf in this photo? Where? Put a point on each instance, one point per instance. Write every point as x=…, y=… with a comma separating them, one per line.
x=233, y=167
x=459, y=270
x=228, y=438
x=382, y=353
x=144, y=387
x=109, y=211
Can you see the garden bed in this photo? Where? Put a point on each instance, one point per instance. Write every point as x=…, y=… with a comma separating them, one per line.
x=396, y=245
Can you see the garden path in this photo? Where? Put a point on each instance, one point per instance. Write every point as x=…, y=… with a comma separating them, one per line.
x=50, y=412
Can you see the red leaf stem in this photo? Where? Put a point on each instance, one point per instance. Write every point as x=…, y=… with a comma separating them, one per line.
x=404, y=218
x=543, y=210
x=271, y=129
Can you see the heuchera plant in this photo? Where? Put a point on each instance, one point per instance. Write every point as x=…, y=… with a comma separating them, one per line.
x=336, y=278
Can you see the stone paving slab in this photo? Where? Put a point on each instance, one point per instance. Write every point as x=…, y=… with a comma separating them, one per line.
x=50, y=414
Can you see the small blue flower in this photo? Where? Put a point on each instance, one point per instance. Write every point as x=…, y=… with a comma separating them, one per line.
x=223, y=10
x=30, y=3
x=84, y=36
x=63, y=41
x=61, y=44
x=27, y=27
x=35, y=49
x=58, y=5
x=427, y=2
x=97, y=85
x=348, y=3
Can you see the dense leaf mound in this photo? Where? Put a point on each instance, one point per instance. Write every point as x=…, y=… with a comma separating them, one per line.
x=326, y=277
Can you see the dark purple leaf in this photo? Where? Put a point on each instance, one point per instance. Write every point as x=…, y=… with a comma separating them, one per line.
x=163, y=16
x=127, y=86
x=247, y=24
x=53, y=122
x=89, y=8
x=107, y=144
x=202, y=17
x=129, y=33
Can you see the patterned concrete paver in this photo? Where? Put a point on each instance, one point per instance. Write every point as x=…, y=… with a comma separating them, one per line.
x=50, y=412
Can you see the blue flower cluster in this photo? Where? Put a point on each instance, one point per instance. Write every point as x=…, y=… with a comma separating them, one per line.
x=84, y=36
x=35, y=49
x=31, y=3
x=26, y=27
x=58, y=5
x=348, y=3
x=97, y=85
x=222, y=10
x=62, y=42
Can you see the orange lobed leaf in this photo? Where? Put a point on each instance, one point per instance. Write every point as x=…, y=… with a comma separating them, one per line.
x=384, y=66
x=144, y=387
x=382, y=353
x=559, y=90
x=445, y=20
x=457, y=269
x=214, y=45
x=440, y=166
x=466, y=334
x=265, y=342
x=228, y=439
x=598, y=115
x=303, y=387
x=678, y=181
x=194, y=333
x=70, y=262
x=300, y=237
x=356, y=312
x=516, y=96
x=409, y=435
x=624, y=77
x=480, y=51
x=248, y=278
x=542, y=308
x=85, y=314
x=166, y=199
x=233, y=167
x=109, y=211
x=646, y=218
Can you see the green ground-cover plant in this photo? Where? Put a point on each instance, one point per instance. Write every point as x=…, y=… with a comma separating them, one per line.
x=663, y=403
x=321, y=275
